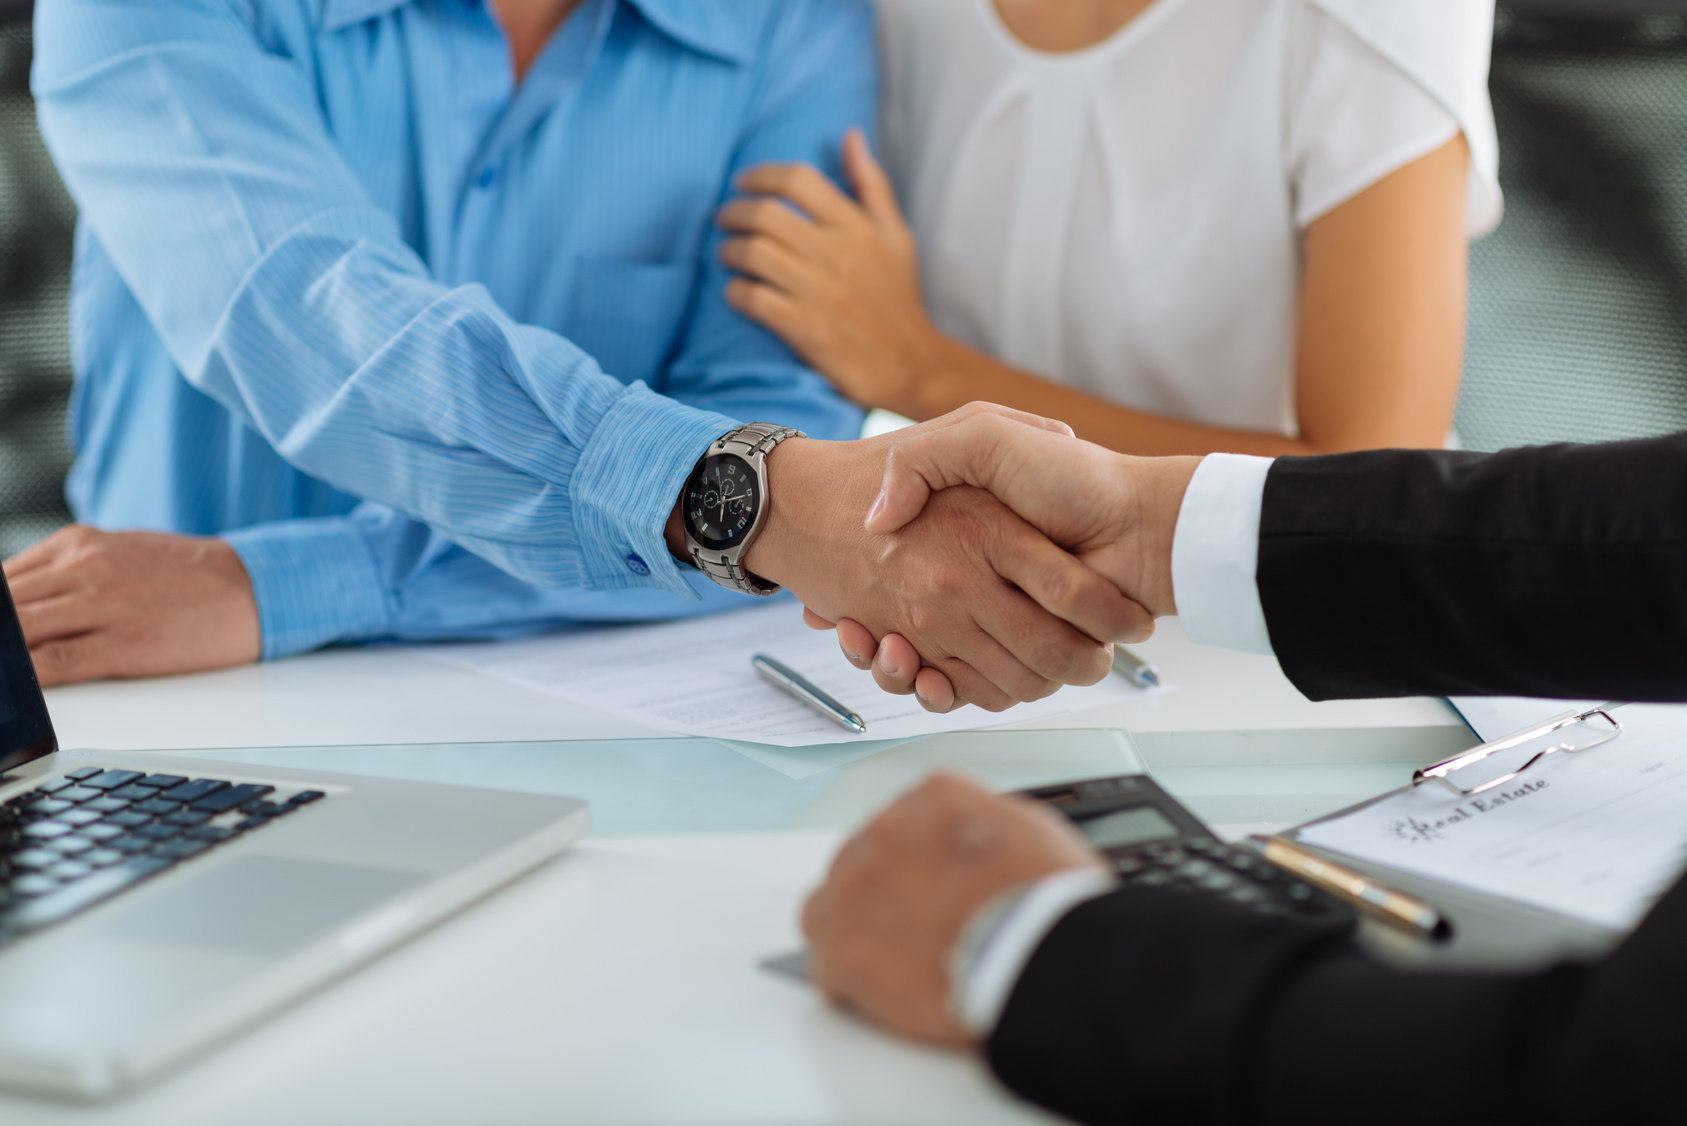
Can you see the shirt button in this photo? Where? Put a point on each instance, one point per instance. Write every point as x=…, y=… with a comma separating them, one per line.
x=636, y=565
x=486, y=177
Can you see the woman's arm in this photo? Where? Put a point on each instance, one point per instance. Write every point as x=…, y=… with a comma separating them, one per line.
x=1381, y=333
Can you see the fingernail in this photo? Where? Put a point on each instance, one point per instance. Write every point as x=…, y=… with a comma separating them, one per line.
x=925, y=701
x=888, y=666
x=878, y=506
x=854, y=657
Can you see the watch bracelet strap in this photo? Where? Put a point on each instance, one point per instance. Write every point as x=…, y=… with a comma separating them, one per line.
x=749, y=440
x=733, y=576
x=767, y=435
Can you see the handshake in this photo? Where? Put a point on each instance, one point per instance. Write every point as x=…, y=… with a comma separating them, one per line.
x=986, y=557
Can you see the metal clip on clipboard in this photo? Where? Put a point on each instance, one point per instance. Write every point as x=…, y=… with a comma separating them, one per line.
x=1441, y=770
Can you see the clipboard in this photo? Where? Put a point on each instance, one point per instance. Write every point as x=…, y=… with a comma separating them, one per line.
x=1490, y=933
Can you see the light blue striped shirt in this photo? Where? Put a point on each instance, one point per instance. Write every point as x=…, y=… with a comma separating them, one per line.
x=335, y=265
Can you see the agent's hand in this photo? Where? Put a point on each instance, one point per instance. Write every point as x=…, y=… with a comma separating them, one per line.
x=900, y=892
x=121, y=604
x=981, y=595
x=1116, y=514
x=837, y=280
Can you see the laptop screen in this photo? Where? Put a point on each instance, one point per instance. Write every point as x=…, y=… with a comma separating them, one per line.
x=25, y=731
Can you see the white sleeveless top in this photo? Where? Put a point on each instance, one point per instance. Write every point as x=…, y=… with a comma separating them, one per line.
x=1126, y=219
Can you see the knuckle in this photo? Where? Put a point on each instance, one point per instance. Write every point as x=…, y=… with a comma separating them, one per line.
x=806, y=177
x=759, y=254
x=1060, y=589
x=924, y=620
x=78, y=540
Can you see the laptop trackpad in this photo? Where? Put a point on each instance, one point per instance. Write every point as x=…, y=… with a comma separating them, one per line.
x=260, y=905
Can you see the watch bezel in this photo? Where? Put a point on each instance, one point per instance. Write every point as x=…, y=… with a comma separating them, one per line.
x=738, y=538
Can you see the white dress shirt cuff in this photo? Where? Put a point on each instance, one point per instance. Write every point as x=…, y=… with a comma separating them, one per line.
x=1008, y=941
x=1215, y=554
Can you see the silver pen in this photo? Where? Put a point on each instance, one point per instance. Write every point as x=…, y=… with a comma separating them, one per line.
x=1134, y=669
x=1369, y=895
x=787, y=679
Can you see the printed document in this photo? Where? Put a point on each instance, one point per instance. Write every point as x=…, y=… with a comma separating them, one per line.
x=1495, y=717
x=1598, y=835
x=694, y=677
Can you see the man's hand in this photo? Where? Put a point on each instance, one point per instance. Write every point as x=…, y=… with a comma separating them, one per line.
x=119, y=604
x=1116, y=514
x=901, y=891
x=975, y=591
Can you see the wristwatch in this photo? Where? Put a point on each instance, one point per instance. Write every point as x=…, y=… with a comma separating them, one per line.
x=725, y=503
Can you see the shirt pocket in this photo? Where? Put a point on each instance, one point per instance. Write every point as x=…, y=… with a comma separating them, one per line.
x=628, y=315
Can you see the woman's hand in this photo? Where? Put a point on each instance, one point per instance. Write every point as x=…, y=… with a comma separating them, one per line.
x=838, y=280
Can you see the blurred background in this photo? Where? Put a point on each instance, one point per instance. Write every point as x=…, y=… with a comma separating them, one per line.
x=1578, y=304
x=36, y=224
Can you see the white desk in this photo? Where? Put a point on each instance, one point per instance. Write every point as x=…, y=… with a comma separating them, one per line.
x=619, y=983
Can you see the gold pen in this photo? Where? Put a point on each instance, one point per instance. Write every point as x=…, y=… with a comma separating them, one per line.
x=1371, y=896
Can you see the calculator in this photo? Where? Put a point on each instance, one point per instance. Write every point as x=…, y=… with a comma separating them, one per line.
x=1153, y=841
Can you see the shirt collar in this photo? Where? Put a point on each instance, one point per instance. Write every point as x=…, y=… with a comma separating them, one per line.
x=724, y=30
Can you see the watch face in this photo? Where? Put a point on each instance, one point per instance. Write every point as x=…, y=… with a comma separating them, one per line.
x=721, y=501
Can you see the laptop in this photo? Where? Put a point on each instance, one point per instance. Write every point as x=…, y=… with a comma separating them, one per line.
x=152, y=904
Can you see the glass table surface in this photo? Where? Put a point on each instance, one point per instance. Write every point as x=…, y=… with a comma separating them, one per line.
x=689, y=785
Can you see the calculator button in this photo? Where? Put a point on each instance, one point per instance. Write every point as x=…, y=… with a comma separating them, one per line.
x=1217, y=881
x=1153, y=879
x=1298, y=892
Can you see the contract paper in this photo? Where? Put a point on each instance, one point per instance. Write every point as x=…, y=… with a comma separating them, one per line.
x=1598, y=835
x=1495, y=717
x=694, y=677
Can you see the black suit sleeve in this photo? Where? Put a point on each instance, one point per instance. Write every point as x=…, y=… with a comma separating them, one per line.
x=1149, y=1006
x=1556, y=571
x=1548, y=571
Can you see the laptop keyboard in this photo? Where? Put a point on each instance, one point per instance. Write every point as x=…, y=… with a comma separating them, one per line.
x=82, y=837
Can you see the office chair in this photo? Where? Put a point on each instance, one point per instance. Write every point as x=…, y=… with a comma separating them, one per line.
x=37, y=220
x=1578, y=302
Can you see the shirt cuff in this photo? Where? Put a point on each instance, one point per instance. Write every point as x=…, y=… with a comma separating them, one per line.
x=1006, y=932
x=316, y=582
x=626, y=483
x=1215, y=554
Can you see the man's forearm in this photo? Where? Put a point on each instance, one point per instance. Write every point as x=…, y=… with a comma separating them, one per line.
x=300, y=307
